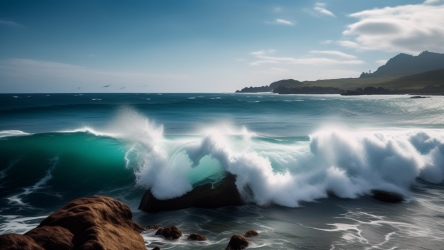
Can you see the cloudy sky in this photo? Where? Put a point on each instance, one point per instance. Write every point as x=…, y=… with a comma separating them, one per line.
x=204, y=46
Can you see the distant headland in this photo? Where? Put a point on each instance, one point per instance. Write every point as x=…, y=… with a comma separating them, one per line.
x=403, y=74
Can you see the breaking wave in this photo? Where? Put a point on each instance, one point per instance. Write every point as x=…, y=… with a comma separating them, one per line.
x=283, y=171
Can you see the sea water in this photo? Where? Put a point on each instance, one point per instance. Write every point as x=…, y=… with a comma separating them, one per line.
x=308, y=163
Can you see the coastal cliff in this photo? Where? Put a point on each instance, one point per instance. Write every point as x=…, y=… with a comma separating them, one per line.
x=402, y=74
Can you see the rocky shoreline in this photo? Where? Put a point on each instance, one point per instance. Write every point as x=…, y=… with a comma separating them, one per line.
x=98, y=222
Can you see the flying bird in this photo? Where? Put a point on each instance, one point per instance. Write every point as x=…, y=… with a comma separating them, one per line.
x=106, y=86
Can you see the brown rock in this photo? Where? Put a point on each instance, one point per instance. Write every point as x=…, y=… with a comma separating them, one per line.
x=52, y=238
x=170, y=233
x=198, y=237
x=251, y=233
x=224, y=193
x=98, y=222
x=159, y=231
x=237, y=241
x=18, y=242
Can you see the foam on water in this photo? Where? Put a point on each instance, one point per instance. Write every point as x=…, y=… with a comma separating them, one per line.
x=339, y=161
x=8, y=133
x=19, y=224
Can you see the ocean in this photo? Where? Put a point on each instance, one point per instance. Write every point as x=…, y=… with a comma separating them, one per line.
x=309, y=162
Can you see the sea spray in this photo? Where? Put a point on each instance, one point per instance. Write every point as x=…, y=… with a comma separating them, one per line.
x=345, y=163
x=148, y=148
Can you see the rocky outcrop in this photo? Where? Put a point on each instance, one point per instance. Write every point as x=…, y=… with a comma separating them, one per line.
x=308, y=90
x=223, y=194
x=18, y=241
x=170, y=233
x=52, y=237
x=386, y=196
x=237, y=241
x=197, y=237
x=96, y=222
x=251, y=233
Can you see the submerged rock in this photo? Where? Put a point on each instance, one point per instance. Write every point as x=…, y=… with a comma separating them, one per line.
x=418, y=97
x=198, y=237
x=170, y=233
x=251, y=233
x=223, y=194
x=156, y=248
x=96, y=222
x=386, y=196
x=237, y=241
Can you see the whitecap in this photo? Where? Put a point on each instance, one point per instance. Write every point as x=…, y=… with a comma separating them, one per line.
x=8, y=133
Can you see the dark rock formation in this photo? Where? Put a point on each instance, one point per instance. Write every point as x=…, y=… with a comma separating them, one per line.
x=386, y=196
x=370, y=91
x=274, y=85
x=52, y=237
x=251, y=233
x=18, y=241
x=418, y=97
x=237, y=241
x=198, y=237
x=403, y=64
x=250, y=89
x=170, y=233
x=156, y=248
x=205, y=196
x=308, y=90
x=96, y=222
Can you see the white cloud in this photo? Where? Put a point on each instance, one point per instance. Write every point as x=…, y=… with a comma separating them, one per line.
x=262, y=58
x=320, y=8
x=432, y=2
x=333, y=53
x=351, y=45
x=262, y=52
x=406, y=28
x=9, y=23
x=274, y=71
x=281, y=22
x=327, y=42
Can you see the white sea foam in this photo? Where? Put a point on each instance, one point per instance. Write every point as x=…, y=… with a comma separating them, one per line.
x=346, y=163
x=19, y=224
x=8, y=133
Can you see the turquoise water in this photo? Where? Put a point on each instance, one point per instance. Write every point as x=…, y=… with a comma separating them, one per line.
x=309, y=160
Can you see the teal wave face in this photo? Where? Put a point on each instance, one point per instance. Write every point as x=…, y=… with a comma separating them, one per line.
x=43, y=169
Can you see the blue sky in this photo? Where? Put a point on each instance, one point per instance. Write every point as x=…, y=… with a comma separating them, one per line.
x=202, y=45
